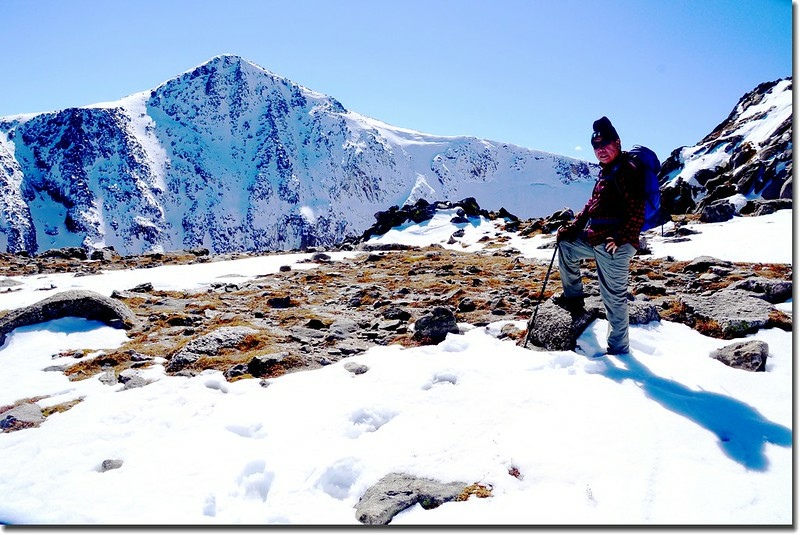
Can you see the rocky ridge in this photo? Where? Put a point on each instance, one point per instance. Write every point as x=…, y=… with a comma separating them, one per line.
x=747, y=157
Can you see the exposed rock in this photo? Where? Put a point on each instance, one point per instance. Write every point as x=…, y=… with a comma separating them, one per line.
x=264, y=364
x=750, y=355
x=65, y=253
x=20, y=417
x=72, y=303
x=735, y=312
x=110, y=464
x=704, y=263
x=759, y=207
x=209, y=344
x=396, y=313
x=355, y=368
x=106, y=254
x=396, y=492
x=772, y=290
x=433, y=327
x=556, y=329
x=132, y=379
x=717, y=212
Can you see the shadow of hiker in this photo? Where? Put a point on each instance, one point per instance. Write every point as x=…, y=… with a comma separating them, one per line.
x=742, y=431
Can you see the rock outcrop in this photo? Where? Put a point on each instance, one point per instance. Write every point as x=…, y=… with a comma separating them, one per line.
x=78, y=303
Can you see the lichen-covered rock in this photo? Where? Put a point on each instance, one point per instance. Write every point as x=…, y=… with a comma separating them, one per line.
x=208, y=344
x=736, y=312
x=396, y=492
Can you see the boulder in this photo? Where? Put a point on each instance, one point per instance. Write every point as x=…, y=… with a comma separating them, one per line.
x=717, y=212
x=433, y=327
x=750, y=355
x=71, y=303
x=556, y=329
x=396, y=492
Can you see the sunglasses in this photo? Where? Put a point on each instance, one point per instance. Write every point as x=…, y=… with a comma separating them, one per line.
x=598, y=144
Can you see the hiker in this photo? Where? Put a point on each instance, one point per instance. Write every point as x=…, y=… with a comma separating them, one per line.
x=607, y=230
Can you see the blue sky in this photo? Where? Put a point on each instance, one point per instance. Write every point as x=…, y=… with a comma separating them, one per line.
x=534, y=73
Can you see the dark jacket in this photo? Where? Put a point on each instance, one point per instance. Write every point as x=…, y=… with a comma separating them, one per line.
x=616, y=207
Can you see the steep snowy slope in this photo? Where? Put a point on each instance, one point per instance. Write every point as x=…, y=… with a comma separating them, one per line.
x=750, y=154
x=231, y=157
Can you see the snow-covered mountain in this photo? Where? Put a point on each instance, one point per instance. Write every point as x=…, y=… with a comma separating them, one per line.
x=231, y=157
x=748, y=154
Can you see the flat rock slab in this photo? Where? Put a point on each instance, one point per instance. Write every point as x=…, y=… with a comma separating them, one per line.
x=737, y=312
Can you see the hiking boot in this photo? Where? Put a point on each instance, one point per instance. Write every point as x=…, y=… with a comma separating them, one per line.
x=573, y=304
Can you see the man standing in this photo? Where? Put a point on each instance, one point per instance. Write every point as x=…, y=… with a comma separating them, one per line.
x=607, y=230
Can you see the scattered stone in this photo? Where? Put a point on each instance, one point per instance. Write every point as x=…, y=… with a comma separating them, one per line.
x=145, y=287
x=236, y=370
x=433, y=327
x=396, y=492
x=355, y=368
x=132, y=379
x=108, y=377
x=750, y=355
x=396, y=313
x=110, y=464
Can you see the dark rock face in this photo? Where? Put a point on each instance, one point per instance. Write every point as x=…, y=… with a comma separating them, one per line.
x=750, y=166
x=432, y=328
x=717, y=212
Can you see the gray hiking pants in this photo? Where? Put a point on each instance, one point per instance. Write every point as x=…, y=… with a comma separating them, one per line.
x=612, y=274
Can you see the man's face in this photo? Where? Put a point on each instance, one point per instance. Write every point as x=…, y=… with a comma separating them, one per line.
x=607, y=152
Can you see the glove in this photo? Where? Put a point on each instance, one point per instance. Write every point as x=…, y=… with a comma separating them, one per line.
x=566, y=232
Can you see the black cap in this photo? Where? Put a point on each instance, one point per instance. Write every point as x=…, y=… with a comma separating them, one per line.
x=603, y=132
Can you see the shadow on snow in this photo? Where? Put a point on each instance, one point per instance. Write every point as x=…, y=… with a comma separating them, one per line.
x=742, y=431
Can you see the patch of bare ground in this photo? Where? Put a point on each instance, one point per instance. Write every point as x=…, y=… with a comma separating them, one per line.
x=296, y=313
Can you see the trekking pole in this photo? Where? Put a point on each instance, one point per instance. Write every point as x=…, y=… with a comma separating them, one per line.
x=532, y=321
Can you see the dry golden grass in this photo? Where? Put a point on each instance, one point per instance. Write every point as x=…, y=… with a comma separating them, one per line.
x=476, y=489
x=61, y=407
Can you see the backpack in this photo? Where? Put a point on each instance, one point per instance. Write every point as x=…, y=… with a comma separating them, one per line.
x=647, y=162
